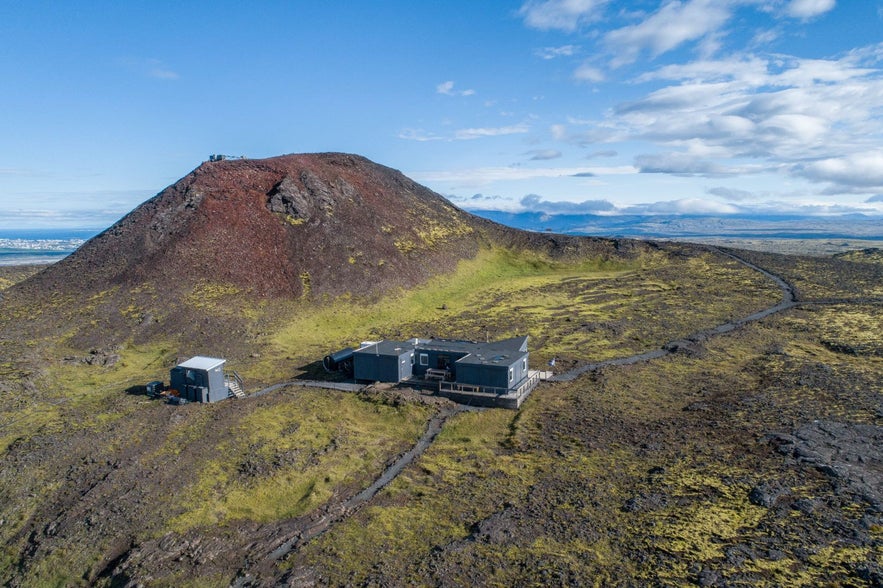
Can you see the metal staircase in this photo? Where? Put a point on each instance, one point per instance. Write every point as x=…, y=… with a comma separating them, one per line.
x=234, y=385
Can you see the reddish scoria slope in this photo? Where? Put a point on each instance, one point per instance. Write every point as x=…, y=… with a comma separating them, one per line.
x=285, y=226
x=301, y=227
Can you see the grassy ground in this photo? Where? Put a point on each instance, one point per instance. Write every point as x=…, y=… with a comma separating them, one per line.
x=640, y=473
x=574, y=312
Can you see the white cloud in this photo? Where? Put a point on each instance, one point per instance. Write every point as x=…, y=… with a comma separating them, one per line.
x=486, y=175
x=163, y=73
x=808, y=8
x=760, y=210
x=588, y=73
x=678, y=163
x=564, y=15
x=421, y=135
x=418, y=135
x=152, y=68
x=731, y=194
x=544, y=154
x=673, y=24
x=447, y=88
x=765, y=37
x=553, y=52
x=684, y=206
x=858, y=170
x=477, y=133
x=756, y=113
x=15, y=171
x=535, y=203
x=90, y=209
x=559, y=132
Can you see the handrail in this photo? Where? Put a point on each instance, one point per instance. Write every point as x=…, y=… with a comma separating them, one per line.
x=235, y=376
x=527, y=384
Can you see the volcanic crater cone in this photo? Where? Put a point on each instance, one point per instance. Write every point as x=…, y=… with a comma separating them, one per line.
x=285, y=226
x=307, y=227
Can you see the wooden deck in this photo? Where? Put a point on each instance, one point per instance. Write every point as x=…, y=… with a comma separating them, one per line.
x=489, y=395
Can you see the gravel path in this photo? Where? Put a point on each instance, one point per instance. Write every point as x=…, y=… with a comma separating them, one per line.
x=339, y=512
x=789, y=300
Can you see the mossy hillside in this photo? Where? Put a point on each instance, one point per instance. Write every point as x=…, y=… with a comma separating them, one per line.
x=311, y=331
x=83, y=412
x=853, y=276
x=640, y=472
x=566, y=307
x=411, y=515
x=598, y=317
x=627, y=473
x=13, y=274
x=853, y=330
x=262, y=460
x=285, y=460
x=72, y=395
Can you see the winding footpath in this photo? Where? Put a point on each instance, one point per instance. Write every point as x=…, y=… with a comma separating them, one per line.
x=320, y=522
x=353, y=503
x=336, y=513
x=789, y=300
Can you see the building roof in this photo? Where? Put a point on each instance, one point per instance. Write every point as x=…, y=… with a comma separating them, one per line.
x=503, y=352
x=395, y=348
x=200, y=362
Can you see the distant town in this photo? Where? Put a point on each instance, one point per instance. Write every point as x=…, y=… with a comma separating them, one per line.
x=20, y=251
x=60, y=245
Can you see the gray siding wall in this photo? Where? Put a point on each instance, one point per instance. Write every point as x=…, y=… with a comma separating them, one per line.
x=483, y=375
x=216, y=388
x=520, y=369
x=496, y=376
x=199, y=385
x=369, y=367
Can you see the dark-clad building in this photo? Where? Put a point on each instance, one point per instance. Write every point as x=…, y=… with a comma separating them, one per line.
x=487, y=374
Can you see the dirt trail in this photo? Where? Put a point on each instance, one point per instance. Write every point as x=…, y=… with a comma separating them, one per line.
x=789, y=300
x=316, y=527
x=265, y=568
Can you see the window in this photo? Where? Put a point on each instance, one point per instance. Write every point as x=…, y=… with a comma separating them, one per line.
x=511, y=374
x=524, y=365
x=424, y=359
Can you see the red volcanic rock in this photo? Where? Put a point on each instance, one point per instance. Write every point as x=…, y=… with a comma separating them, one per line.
x=294, y=225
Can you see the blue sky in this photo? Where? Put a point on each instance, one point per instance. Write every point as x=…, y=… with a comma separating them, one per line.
x=709, y=106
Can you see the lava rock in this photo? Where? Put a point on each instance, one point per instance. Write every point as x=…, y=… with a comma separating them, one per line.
x=765, y=494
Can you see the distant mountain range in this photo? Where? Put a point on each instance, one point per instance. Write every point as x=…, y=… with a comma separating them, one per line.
x=853, y=226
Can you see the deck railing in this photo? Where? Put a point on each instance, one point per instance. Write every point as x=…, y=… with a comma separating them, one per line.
x=525, y=386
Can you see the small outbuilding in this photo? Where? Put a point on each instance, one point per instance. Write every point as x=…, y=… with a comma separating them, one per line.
x=200, y=379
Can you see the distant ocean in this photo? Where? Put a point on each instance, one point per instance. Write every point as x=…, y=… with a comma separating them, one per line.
x=40, y=246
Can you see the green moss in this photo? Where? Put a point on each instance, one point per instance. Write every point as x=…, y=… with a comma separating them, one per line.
x=210, y=295
x=286, y=460
x=306, y=284
x=405, y=246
